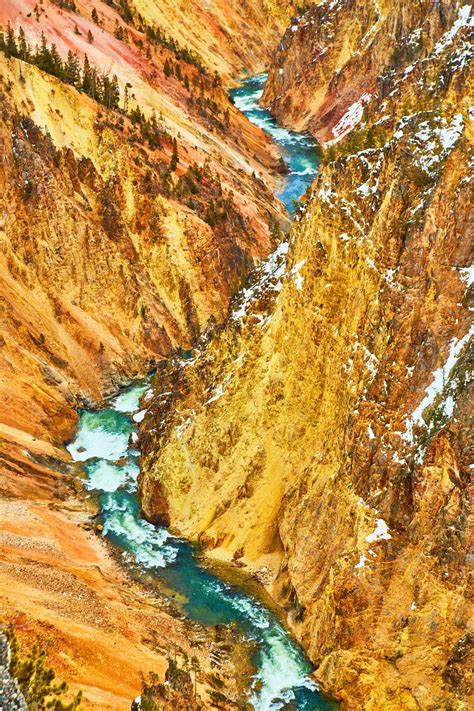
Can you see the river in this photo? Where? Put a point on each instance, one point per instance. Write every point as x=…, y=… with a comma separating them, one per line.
x=104, y=443
x=298, y=150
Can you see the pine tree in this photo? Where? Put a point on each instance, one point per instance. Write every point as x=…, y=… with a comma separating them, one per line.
x=36, y=680
x=154, y=137
x=108, y=91
x=114, y=92
x=101, y=87
x=118, y=31
x=23, y=47
x=56, y=62
x=95, y=16
x=126, y=96
x=87, y=76
x=275, y=231
x=72, y=72
x=90, y=37
x=94, y=92
x=10, y=43
x=43, y=55
x=174, y=156
x=167, y=68
x=196, y=667
x=136, y=115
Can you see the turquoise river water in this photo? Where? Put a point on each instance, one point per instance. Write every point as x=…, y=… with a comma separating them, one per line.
x=106, y=445
x=298, y=150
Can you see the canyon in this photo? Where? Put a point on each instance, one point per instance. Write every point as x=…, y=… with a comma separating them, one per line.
x=323, y=439
x=309, y=420
x=110, y=261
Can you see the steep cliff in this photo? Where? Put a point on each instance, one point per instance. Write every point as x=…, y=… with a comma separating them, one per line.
x=125, y=230
x=331, y=59
x=106, y=264
x=95, y=223
x=232, y=35
x=323, y=439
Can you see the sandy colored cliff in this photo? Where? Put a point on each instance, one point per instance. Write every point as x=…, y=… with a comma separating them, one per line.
x=324, y=438
x=109, y=262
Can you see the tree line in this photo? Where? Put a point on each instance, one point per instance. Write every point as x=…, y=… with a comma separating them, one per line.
x=98, y=85
x=154, y=34
x=36, y=680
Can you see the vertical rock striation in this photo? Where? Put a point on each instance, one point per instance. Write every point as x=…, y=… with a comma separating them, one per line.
x=333, y=58
x=324, y=438
x=124, y=233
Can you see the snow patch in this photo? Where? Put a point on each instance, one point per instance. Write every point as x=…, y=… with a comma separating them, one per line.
x=180, y=429
x=380, y=533
x=351, y=118
x=467, y=275
x=218, y=393
x=439, y=379
x=362, y=561
x=464, y=20
x=268, y=276
x=297, y=278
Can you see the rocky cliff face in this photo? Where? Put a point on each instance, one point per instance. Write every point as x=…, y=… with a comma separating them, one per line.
x=330, y=60
x=232, y=35
x=324, y=438
x=110, y=260
x=107, y=266
x=94, y=223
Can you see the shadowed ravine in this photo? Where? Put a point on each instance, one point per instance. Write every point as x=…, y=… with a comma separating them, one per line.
x=104, y=443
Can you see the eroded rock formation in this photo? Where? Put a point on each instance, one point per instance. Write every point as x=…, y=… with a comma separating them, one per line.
x=109, y=261
x=326, y=434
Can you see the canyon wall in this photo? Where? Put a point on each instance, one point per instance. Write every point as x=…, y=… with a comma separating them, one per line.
x=331, y=59
x=323, y=439
x=233, y=36
x=111, y=258
x=95, y=224
x=107, y=266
